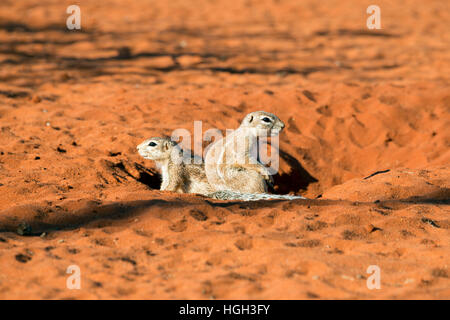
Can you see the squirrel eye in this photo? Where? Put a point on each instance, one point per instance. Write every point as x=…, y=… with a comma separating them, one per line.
x=152, y=144
x=265, y=119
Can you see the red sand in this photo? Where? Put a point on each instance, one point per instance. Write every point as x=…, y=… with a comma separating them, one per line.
x=74, y=105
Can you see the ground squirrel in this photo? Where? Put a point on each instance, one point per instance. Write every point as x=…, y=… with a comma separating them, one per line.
x=231, y=163
x=177, y=175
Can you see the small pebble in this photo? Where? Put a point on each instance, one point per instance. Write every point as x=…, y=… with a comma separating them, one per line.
x=182, y=44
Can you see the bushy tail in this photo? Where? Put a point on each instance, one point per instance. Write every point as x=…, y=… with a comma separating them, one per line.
x=232, y=195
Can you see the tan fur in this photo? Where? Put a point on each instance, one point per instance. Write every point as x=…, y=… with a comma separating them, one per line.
x=177, y=176
x=229, y=163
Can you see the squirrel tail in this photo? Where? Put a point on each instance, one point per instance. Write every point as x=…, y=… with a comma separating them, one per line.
x=232, y=195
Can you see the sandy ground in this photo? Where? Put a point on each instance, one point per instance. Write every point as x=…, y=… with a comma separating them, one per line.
x=74, y=191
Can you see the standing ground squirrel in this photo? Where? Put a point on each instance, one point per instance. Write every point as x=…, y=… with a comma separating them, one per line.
x=231, y=163
x=177, y=175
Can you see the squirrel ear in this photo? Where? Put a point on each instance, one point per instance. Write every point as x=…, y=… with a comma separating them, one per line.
x=250, y=120
x=166, y=145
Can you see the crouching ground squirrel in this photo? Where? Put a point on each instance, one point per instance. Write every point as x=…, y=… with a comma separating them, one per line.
x=177, y=175
x=231, y=163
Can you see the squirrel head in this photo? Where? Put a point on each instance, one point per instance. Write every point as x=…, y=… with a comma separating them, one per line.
x=158, y=149
x=263, y=123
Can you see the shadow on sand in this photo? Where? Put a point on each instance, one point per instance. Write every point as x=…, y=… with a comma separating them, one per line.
x=60, y=219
